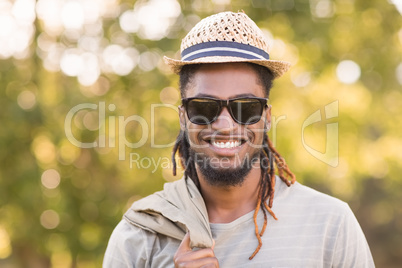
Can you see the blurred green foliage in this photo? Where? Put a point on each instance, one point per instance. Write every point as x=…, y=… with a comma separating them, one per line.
x=59, y=203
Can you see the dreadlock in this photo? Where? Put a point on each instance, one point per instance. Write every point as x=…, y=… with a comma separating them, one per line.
x=269, y=156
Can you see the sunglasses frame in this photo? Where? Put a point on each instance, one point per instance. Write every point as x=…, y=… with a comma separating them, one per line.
x=225, y=103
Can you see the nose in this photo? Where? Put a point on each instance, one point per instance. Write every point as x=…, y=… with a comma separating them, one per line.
x=224, y=122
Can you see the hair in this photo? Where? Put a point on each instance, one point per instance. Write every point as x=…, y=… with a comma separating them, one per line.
x=268, y=156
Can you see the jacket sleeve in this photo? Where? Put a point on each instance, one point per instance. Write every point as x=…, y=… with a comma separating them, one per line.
x=128, y=246
x=351, y=248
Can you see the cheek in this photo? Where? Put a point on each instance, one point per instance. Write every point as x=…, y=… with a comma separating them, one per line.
x=193, y=133
x=258, y=131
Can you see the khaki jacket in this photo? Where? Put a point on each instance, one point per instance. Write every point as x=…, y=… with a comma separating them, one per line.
x=172, y=212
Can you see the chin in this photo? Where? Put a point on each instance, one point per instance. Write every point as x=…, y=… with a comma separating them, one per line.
x=224, y=171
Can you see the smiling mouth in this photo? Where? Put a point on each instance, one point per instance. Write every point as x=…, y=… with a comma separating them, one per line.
x=227, y=144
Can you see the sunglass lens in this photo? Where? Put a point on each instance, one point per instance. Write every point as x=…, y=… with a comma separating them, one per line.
x=246, y=111
x=202, y=111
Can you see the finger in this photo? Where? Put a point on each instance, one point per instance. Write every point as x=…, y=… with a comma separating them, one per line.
x=205, y=262
x=184, y=245
x=195, y=255
x=213, y=244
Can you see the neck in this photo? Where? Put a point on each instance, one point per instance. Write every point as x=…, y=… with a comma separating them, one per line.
x=227, y=203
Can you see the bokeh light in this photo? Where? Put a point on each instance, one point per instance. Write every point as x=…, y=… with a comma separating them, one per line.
x=87, y=53
x=5, y=243
x=322, y=8
x=151, y=19
x=24, y=11
x=72, y=15
x=348, y=71
x=149, y=60
x=300, y=78
x=50, y=178
x=26, y=100
x=17, y=30
x=49, y=219
x=398, y=5
x=44, y=150
x=119, y=60
x=71, y=62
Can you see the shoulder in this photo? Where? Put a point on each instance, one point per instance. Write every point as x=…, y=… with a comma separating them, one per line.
x=302, y=197
x=309, y=208
x=327, y=222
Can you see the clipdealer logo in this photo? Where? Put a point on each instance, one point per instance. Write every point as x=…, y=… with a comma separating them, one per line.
x=330, y=156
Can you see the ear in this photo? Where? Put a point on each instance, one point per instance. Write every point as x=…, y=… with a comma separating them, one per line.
x=182, y=117
x=268, y=117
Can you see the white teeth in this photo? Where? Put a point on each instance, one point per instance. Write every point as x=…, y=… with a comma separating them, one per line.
x=228, y=144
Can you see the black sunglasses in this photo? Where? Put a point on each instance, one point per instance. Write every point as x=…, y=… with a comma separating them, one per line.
x=244, y=110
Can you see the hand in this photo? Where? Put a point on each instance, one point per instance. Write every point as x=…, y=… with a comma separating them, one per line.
x=186, y=257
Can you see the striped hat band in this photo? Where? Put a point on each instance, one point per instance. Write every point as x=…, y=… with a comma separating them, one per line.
x=223, y=48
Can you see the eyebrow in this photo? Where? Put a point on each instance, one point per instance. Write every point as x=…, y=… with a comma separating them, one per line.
x=200, y=95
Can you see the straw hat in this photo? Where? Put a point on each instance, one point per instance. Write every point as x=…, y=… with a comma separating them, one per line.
x=226, y=37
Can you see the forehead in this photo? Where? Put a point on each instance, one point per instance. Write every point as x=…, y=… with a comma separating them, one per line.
x=225, y=81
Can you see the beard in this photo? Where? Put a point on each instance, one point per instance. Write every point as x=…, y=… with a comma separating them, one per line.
x=217, y=174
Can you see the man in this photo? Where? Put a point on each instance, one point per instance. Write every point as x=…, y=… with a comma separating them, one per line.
x=221, y=212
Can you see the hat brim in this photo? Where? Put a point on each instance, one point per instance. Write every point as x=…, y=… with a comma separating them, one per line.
x=278, y=68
